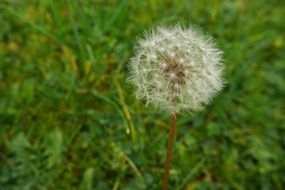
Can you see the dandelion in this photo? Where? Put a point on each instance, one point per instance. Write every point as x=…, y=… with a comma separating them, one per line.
x=177, y=70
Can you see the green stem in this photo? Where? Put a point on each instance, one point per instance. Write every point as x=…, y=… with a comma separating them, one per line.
x=169, y=151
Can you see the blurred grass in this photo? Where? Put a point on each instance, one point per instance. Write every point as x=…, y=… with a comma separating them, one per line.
x=68, y=120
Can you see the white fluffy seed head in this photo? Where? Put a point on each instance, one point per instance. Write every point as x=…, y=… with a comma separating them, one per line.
x=177, y=70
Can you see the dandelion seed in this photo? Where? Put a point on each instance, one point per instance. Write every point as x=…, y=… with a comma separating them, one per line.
x=181, y=60
x=172, y=54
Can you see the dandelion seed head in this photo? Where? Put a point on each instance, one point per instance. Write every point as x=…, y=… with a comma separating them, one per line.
x=177, y=69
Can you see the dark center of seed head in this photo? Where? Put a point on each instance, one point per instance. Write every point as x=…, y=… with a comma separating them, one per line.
x=174, y=71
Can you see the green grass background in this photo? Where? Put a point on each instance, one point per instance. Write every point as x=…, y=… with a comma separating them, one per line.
x=69, y=120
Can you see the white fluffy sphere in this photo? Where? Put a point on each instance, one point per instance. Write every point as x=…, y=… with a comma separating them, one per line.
x=177, y=70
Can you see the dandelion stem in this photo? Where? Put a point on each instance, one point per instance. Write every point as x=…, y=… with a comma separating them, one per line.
x=169, y=151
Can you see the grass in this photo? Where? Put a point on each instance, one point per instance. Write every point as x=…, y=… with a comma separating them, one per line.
x=68, y=119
